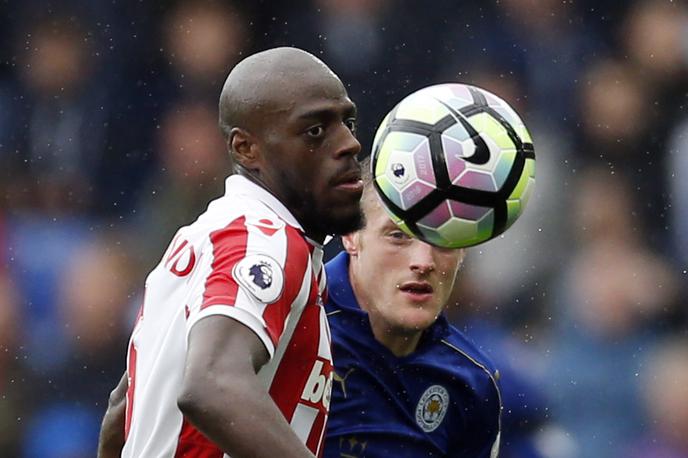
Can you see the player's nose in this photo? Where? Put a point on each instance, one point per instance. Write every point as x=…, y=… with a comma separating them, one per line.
x=346, y=142
x=422, y=260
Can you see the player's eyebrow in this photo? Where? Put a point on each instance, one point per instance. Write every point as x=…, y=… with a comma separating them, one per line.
x=349, y=110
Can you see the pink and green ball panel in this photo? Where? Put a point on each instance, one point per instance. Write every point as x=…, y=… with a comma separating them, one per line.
x=414, y=193
x=491, y=130
x=519, y=197
x=396, y=143
x=422, y=161
x=460, y=233
x=421, y=107
x=451, y=220
x=456, y=96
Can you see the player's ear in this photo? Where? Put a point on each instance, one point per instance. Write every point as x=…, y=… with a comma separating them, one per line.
x=350, y=242
x=244, y=148
x=462, y=256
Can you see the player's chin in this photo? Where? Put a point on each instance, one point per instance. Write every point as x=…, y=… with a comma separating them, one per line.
x=343, y=218
x=419, y=306
x=417, y=320
x=347, y=204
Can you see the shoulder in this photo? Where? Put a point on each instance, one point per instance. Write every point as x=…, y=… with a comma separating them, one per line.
x=339, y=292
x=247, y=224
x=242, y=237
x=466, y=349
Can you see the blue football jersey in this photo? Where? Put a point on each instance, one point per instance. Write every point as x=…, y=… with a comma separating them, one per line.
x=440, y=401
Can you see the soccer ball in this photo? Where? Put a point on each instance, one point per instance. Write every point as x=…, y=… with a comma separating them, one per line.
x=453, y=164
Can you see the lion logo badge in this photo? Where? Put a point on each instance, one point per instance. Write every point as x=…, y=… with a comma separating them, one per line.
x=432, y=407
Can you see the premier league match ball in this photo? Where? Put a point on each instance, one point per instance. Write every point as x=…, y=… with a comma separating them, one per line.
x=454, y=165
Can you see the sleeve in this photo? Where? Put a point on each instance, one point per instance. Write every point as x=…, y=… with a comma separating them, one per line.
x=252, y=275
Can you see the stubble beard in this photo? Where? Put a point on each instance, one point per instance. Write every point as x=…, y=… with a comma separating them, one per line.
x=317, y=218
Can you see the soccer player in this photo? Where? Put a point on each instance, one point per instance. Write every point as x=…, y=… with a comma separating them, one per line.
x=406, y=383
x=230, y=353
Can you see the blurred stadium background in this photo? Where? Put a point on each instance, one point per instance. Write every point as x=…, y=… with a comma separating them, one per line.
x=108, y=143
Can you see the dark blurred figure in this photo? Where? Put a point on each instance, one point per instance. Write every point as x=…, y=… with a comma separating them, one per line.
x=614, y=102
x=547, y=45
x=200, y=40
x=195, y=42
x=58, y=118
x=653, y=35
x=181, y=50
x=666, y=400
x=609, y=305
x=38, y=247
x=192, y=166
x=61, y=430
x=625, y=132
x=528, y=431
x=676, y=175
x=14, y=408
x=95, y=300
x=662, y=58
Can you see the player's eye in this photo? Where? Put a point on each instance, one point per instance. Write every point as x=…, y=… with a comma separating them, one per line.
x=316, y=131
x=398, y=235
x=351, y=124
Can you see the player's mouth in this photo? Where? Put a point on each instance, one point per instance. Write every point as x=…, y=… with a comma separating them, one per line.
x=418, y=291
x=350, y=182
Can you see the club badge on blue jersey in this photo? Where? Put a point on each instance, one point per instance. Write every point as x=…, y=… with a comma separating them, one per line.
x=261, y=276
x=432, y=407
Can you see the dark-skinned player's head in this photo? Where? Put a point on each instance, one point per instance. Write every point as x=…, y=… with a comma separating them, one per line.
x=290, y=126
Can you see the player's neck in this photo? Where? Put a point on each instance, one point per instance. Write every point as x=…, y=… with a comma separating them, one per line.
x=400, y=344
x=318, y=237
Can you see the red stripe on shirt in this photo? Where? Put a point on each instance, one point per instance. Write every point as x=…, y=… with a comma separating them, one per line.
x=229, y=247
x=295, y=369
x=193, y=444
x=131, y=374
x=316, y=434
x=295, y=266
x=131, y=382
x=297, y=362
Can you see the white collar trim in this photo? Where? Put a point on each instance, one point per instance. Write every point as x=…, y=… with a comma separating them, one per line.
x=241, y=185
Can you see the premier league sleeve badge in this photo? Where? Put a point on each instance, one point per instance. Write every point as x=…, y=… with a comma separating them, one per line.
x=261, y=276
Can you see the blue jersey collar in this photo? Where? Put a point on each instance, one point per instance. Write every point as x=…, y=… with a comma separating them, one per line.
x=339, y=288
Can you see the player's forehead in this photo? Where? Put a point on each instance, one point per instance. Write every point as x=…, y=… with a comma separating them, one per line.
x=266, y=86
x=313, y=96
x=322, y=109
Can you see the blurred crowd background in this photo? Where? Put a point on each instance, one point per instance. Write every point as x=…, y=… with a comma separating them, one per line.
x=109, y=142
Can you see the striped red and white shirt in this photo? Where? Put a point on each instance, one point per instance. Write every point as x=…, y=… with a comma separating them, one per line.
x=247, y=258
